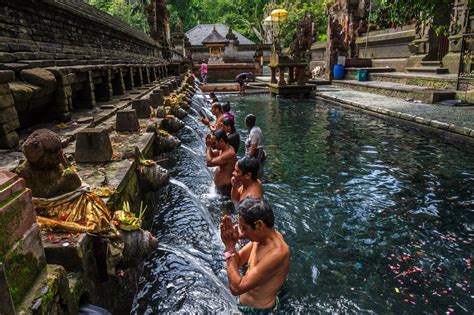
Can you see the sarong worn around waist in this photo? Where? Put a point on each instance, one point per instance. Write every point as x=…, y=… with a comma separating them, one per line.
x=250, y=310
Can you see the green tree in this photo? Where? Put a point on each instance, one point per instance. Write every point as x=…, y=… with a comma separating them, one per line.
x=296, y=10
x=126, y=10
x=389, y=13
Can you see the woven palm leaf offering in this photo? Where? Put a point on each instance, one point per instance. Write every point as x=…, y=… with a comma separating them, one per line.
x=128, y=220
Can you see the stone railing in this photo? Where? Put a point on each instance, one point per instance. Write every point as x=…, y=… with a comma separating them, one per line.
x=59, y=55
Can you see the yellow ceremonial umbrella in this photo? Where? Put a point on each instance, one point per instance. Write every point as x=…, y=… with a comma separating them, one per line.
x=279, y=13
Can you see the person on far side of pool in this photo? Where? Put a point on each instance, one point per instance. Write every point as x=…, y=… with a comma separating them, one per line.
x=254, y=141
x=267, y=256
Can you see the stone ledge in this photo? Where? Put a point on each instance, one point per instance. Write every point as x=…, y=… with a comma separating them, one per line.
x=447, y=129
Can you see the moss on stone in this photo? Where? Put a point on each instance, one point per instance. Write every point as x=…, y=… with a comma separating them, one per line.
x=48, y=297
x=21, y=270
x=5, y=185
x=7, y=219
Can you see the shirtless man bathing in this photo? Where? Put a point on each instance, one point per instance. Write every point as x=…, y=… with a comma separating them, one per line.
x=223, y=156
x=245, y=182
x=267, y=256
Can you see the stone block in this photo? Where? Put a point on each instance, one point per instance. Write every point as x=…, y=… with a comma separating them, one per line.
x=165, y=91
x=39, y=77
x=7, y=76
x=127, y=121
x=9, y=141
x=16, y=214
x=24, y=262
x=142, y=107
x=7, y=57
x=4, y=47
x=6, y=100
x=156, y=99
x=4, y=89
x=51, y=294
x=461, y=130
x=6, y=302
x=9, y=126
x=22, y=92
x=70, y=252
x=20, y=47
x=15, y=66
x=93, y=146
x=439, y=125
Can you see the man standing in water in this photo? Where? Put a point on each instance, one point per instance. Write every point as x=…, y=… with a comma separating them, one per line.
x=254, y=141
x=267, y=256
x=223, y=157
x=245, y=182
x=242, y=79
x=216, y=110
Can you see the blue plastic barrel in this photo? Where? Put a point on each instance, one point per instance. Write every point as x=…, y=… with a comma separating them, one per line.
x=338, y=72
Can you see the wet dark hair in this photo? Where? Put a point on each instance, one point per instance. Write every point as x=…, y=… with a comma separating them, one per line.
x=250, y=120
x=253, y=209
x=230, y=123
x=249, y=164
x=212, y=95
x=220, y=134
x=217, y=105
x=226, y=107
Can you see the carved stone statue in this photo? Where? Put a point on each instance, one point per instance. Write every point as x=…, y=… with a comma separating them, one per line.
x=303, y=38
x=45, y=171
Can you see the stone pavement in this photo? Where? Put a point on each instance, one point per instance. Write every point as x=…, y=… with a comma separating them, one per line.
x=454, y=123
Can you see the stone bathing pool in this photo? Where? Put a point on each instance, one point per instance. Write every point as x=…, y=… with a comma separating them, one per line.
x=378, y=219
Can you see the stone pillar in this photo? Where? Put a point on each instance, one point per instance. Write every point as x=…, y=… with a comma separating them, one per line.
x=103, y=91
x=152, y=74
x=21, y=248
x=281, y=76
x=300, y=72
x=8, y=115
x=86, y=96
x=128, y=78
x=291, y=76
x=137, y=76
x=459, y=16
x=118, y=84
x=146, y=75
x=273, y=75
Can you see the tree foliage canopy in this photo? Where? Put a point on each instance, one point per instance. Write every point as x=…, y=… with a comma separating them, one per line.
x=246, y=16
x=126, y=10
x=389, y=13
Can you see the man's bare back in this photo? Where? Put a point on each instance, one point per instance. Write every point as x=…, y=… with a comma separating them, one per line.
x=264, y=295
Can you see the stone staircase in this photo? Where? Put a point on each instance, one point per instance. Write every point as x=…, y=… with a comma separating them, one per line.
x=27, y=284
x=413, y=92
x=433, y=67
x=429, y=83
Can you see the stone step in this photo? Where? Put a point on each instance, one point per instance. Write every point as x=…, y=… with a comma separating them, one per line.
x=351, y=72
x=49, y=294
x=431, y=63
x=24, y=262
x=434, y=81
x=404, y=91
x=437, y=70
x=68, y=250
